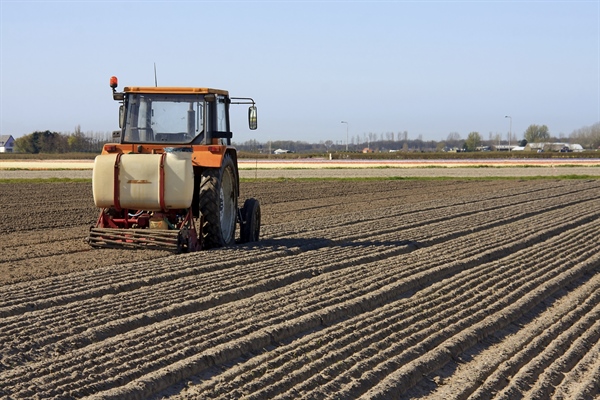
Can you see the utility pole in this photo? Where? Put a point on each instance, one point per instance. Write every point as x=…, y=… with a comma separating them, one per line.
x=509, y=130
x=344, y=122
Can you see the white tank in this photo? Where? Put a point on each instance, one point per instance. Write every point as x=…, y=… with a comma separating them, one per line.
x=139, y=176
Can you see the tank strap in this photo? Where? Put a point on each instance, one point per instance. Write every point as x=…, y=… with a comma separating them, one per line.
x=116, y=193
x=161, y=182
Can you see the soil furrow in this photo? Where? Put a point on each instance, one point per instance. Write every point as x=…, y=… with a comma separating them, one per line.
x=374, y=288
x=584, y=375
x=287, y=328
x=117, y=330
x=405, y=377
x=553, y=352
x=270, y=367
x=588, y=333
x=520, y=343
x=419, y=316
x=171, y=311
x=390, y=217
x=425, y=342
x=59, y=289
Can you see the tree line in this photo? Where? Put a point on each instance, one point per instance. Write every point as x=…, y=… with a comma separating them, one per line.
x=588, y=137
x=77, y=141
x=56, y=142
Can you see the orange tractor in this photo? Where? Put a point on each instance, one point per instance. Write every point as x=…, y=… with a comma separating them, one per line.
x=171, y=178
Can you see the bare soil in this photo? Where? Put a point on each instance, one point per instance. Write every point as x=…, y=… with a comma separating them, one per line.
x=358, y=289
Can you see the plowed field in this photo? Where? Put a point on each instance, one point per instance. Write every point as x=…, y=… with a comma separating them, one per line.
x=375, y=289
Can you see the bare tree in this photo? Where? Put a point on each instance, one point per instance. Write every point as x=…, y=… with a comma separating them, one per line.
x=498, y=138
x=453, y=139
x=537, y=133
x=588, y=136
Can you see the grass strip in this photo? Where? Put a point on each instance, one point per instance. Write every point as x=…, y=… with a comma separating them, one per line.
x=423, y=178
x=313, y=179
x=441, y=166
x=45, y=180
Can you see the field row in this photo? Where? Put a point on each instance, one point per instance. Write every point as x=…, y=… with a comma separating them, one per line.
x=383, y=289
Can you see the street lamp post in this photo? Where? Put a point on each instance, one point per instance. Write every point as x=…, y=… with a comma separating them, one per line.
x=509, y=131
x=344, y=122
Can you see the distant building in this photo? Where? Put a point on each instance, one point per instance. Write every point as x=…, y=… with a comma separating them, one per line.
x=7, y=143
x=503, y=147
x=557, y=146
x=535, y=146
x=282, y=151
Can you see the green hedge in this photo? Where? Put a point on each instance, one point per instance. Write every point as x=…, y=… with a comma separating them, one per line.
x=48, y=156
x=487, y=155
x=493, y=155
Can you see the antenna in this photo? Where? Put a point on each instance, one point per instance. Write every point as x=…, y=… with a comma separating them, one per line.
x=155, y=80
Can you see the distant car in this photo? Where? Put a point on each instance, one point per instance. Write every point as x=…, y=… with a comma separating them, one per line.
x=565, y=150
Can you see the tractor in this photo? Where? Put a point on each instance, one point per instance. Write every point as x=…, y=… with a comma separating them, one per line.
x=170, y=179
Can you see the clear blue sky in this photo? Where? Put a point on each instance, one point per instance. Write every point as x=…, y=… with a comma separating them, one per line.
x=426, y=67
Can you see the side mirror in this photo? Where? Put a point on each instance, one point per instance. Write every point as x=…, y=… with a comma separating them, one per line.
x=252, y=118
x=121, y=116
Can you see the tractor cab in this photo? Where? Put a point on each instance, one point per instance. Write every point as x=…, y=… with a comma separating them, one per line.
x=177, y=115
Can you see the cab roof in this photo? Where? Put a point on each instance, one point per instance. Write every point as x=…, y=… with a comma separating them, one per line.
x=174, y=90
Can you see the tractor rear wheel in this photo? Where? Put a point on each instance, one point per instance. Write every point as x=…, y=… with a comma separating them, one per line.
x=250, y=227
x=218, y=204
